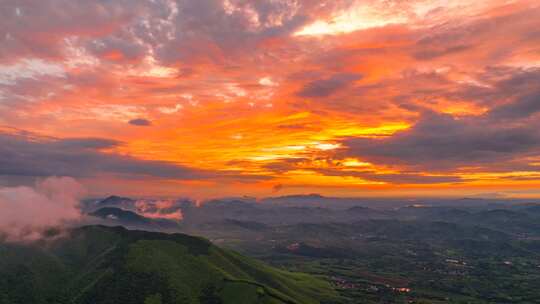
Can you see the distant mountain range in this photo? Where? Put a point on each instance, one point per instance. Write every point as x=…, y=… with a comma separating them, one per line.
x=298, y=209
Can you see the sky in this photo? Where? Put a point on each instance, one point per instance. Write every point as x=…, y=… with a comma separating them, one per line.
x=213, y=98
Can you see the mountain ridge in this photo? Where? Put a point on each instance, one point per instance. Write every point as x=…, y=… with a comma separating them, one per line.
x=106, y=265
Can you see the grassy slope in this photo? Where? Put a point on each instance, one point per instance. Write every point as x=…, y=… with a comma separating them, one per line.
x=112, y=265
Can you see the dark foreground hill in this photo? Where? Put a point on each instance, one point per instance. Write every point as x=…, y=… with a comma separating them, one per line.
x=103, y=265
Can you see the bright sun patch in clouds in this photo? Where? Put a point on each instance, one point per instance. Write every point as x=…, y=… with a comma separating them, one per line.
x=171, y=110
x=151, y=68
x=326, y=146
x=267, y=81
x=30, y=68
x=359, y=17
x=346, y=23
x=378, y=13
x=377, y=131
x=352, y=162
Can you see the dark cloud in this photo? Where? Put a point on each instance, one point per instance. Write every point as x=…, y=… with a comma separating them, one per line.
x=440, y=141
x=509, y=92
x=411, y=178
x=117, y=49
x=208, y=31
x=525, y=106
x=277, y=188
x=394, y=178
x=140, y=122
x=86, y=143
x=407, y=177
x=174, y=32
x=480, y=33
x=285, y=164
x=426, y=54
x=40, y=28
x=496, y=141
x=328, y=86
x=24, y=154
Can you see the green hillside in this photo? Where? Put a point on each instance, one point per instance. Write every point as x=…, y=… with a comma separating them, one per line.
x=103, y=265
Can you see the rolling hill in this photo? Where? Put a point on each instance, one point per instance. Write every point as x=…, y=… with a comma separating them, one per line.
x=106, y=265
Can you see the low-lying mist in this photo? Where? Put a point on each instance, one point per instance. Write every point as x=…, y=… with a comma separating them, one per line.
x=27, y=212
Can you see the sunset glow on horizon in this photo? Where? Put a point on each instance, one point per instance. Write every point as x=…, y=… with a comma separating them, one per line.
x=215, y=98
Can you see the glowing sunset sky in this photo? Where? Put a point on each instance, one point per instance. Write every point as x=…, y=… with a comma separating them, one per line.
x=234, y=97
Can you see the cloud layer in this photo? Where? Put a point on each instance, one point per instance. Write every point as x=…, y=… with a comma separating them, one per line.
x=237, y=97
x=25, y=212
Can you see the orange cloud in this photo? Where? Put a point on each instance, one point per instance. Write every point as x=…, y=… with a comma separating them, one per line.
x=342, y=97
